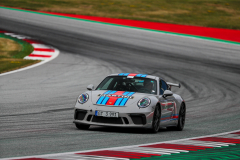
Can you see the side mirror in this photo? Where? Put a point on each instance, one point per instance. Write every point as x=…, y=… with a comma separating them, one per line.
x=167, y=93
x=90, y=87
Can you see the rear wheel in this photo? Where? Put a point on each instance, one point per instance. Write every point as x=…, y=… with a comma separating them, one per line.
x=156, y=119
x=181, y=118
x=82, y=126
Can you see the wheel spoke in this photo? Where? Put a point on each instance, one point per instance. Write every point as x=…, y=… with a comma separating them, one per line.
x=183, y=113
x=156, y=119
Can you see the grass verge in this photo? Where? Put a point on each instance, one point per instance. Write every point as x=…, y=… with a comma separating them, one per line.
x=208, y=13
x=12, y=52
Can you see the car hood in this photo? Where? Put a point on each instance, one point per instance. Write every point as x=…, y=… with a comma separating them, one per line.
x=116, y=98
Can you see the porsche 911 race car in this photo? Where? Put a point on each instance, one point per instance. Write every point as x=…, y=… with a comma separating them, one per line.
x=131, y=100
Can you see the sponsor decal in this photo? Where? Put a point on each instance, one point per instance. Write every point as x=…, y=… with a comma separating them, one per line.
x=132, y=75
x=116, y=98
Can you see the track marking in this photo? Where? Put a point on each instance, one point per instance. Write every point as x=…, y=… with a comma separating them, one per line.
x=147, y=150
x=41, y=52
x=205, y=33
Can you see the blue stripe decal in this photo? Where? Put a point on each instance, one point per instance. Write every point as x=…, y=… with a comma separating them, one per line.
x=125, y=93
x=144, y=75
x=121, y=74
x=138, y=75
x=118, y=101
x=96, y=113
x=131, y=93
x=164, y=117
x=123, y=102
x=105, y=100
x=165, y=120
x=126, y=74
x=175, y=114
x=107, y=92
x=100, y=100
x=113, y=92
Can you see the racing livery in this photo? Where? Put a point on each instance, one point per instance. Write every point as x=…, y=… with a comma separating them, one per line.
x=131, y=100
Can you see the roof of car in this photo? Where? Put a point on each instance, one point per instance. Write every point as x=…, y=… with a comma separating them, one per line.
x=134, y=75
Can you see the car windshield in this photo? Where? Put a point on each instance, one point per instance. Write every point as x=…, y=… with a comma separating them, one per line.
x=122, y=83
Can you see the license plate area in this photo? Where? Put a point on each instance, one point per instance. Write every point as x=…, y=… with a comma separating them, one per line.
x=106, y=114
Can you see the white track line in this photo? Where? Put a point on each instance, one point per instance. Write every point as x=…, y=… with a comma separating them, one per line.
x=68, y=155
x=35, y=45
x=34, y=53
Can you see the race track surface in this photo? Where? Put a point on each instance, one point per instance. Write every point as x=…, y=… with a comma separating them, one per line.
x=37, y=104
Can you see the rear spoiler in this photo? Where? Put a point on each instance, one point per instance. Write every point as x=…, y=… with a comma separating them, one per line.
x=170, y=84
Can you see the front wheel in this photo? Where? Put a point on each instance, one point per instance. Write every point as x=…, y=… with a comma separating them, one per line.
x=156, y=119
x=82, y=126
x=181, y=118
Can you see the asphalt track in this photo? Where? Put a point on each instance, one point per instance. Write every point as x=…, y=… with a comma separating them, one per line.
x=37, y=104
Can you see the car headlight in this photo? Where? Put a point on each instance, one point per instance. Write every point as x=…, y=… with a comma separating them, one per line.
x=144, y=102
x=83, y=98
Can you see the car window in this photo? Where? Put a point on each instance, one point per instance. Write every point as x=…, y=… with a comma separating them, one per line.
x=163, y=86
x=105, y=84
x=122, y=83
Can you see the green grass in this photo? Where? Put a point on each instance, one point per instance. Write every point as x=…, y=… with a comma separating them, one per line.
x=227, y=153
x=10, y=64
x=24, y=48
x=12, y=52
x=209, y=13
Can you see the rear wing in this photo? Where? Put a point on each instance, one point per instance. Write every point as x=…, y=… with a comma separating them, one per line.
x=170, y=84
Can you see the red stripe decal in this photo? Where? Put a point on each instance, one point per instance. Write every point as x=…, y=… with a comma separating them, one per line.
x=2, y=31
x=119, y=154
x=165, y=118
x=174, y=116
x=111, y=100
x=219, y=139
x=132, y=74
x=177, y=146
x=38, y=55
x=119, y=93
x=44, y=49
x=236, y=132
x=30, y=41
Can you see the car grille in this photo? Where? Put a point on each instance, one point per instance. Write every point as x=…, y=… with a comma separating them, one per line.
x=138, y=118
x=89, y=117
x=80, y=114
x=107, y=120
x=125, y=120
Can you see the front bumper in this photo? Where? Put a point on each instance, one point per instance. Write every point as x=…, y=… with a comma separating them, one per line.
x=138, y=120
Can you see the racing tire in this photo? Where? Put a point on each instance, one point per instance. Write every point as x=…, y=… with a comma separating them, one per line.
x=156, y=119
x=181, y=118
x=82, y=126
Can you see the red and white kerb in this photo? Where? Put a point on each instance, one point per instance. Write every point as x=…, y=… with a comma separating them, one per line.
x=40, y=52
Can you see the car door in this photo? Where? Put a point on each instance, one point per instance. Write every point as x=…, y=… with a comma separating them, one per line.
x=167, y=103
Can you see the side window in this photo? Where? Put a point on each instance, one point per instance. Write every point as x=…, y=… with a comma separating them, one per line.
x=105, y=87
x=163, y=86
x=106, y=84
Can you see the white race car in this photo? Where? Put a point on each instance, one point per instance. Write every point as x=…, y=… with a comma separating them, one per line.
x=131, y=100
